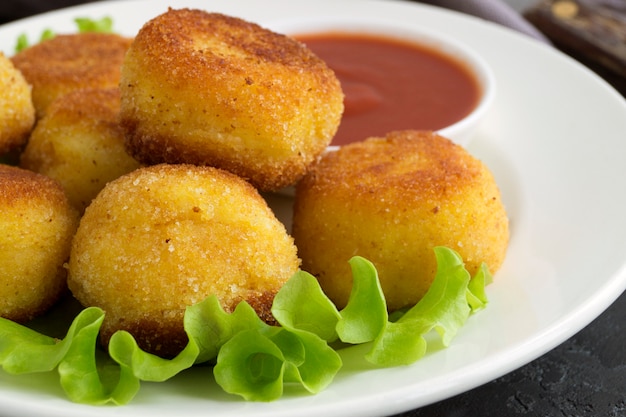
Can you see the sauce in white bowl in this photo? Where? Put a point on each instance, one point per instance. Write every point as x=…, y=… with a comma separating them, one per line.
x=398, y=77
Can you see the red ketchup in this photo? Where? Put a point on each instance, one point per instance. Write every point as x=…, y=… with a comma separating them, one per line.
x=391, y=85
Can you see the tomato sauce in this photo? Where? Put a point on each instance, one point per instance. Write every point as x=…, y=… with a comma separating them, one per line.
x=394, y=85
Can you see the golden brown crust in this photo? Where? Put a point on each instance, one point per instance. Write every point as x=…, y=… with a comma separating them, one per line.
x=80, y=143
x=66, y=63
x=161, y=337
x=417, y=162
x=392, y=200
x=100, y=104
x=17, y=113
x=164, y=237
x=23, y=187
x=37, y=226
x=261, y=302
x=210, y=89
x=165, y=336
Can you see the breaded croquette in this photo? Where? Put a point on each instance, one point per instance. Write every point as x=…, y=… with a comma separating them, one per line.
x=70, y=62
x=392, y=200
x=164, y=237
x=37, y=224
x=80, y=143
x=209, y=89
x=17, y=113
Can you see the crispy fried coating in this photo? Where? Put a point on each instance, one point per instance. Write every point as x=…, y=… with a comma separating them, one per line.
x=392, y=200
x=209, y=89
x=17, y=113
x=70, y=62
x=164, y=237
x=80, y=143
x=37, y=224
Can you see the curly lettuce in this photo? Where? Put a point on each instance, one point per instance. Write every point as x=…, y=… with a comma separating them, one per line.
x=248, y=357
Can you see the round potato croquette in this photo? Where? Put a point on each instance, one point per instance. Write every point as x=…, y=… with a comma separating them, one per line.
x=37, y=224
x=17, y=113
x=164, y=237
x=392, y=200
x=80, y=143
x=209, y=89
x=70, y=62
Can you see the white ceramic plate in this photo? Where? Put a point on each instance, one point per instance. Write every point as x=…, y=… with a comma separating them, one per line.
x=554, y=139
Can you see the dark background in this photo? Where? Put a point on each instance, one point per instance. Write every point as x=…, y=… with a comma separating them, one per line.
x=16, y=9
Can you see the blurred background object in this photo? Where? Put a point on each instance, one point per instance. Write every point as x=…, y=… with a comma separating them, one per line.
x=17, y=9
x=591, y=31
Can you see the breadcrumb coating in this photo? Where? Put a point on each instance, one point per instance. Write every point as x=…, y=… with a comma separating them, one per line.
x=17, y=113
x=37, y=224
x=209, y=89
x=70, y=62
x=392, y=200
x=164, y=237
x=80, y=143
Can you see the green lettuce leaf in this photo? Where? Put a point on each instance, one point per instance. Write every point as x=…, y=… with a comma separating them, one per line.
x=145, y=366
x=86, y=375
x=320, y=365
x=476, y=295
x=23, y=42
x=256, y=364
x=84, y=378
x=253, y=359
x=23, y=350
x=209, y=326
x=365, y=315
x=443, y=308
x=85, y=24
x=301, y=304
x=252, y=366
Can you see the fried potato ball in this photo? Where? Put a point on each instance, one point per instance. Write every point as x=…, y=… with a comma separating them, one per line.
x=37, y=224
x=392, y=200
x=17, y=113
x=70, y=62
x=209, y=89
x=164, y=237
x=80, y=143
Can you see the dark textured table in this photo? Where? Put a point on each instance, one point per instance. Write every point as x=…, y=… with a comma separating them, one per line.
x=584, y=376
